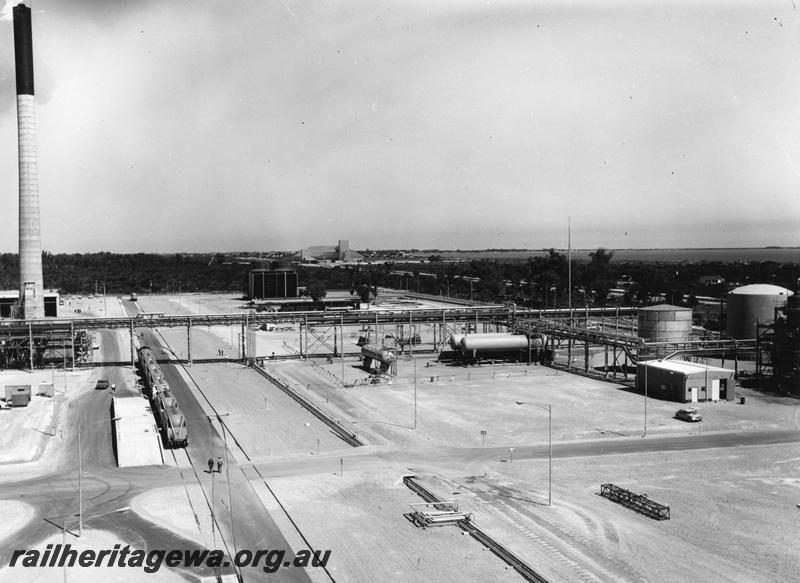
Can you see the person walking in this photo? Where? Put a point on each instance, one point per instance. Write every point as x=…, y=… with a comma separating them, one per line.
x=219, y=464
x=210, y=465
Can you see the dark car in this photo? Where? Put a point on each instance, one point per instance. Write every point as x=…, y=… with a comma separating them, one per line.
x=690, y=414
x=102, y=384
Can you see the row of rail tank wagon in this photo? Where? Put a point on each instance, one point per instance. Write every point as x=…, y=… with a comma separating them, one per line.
x=165, y=408
x=498, y=346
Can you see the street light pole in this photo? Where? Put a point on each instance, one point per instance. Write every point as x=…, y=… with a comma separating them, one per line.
x=645, y=399
x=80, y=491
x=213, y=504
x=550, y=455
x=415, y=393
x=228, y=477
x=549, y=408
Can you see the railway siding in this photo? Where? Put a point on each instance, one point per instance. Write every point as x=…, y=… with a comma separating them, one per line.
x=527, y=572
x=348, y=436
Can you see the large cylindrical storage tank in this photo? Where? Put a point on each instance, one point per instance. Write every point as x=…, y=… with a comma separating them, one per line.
x=493, y=343
x=752, y=304
x=793, y=311
x=665, y=323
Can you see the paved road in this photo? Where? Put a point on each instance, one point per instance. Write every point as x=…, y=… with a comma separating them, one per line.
x=108, y=490
x=253, y=528
x=361, y=460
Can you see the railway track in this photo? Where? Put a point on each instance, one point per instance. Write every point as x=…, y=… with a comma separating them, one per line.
x=345, y=435
x=242, y=467
x=512, y=560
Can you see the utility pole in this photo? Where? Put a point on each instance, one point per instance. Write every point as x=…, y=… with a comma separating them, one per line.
x=569, y=266
x=415, y=393
x=645, y=398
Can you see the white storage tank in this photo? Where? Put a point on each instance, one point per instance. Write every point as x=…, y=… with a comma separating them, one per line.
x=665, y=323
x=751, y=304
x=472, y=344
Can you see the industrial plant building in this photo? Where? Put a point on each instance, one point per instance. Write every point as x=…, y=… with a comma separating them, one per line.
x=10, y=298
x=684, y=381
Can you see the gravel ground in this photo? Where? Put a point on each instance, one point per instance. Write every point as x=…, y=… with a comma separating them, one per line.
x=91, y=540
x=16, y=515
x=169, y=508
x=264, y=420
x=734, y=510
x=505, y=400
x=733, y=515
x=29, y=430
x=371, y=540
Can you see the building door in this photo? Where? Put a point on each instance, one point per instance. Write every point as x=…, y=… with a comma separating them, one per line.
x=693, y=391
x=715, y=389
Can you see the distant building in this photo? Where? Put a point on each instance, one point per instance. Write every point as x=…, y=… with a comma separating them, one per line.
x=271, y=284
x=711, y=280
x=11, y=297
x=340, y=252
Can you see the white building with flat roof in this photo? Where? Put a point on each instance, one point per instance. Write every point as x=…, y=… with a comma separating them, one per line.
x=684, y=381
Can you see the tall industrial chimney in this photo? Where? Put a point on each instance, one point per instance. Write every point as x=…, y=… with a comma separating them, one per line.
x=31, y=288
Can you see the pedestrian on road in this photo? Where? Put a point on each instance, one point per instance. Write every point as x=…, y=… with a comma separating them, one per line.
x=210, y=465
x=219, y=464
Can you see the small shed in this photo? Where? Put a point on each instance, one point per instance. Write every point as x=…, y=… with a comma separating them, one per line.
x=684, y=381
x=18, y=395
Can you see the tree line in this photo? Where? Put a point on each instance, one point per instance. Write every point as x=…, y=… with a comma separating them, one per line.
x=125, y=273
x=540, y=281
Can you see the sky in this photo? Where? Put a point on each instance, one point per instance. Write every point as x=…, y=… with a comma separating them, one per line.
x=255, y=125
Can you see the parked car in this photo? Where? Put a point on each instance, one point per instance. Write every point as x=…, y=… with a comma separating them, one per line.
x=102, y=384
x=690, y=414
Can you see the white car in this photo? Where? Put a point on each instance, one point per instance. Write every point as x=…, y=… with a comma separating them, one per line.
x=690, y=414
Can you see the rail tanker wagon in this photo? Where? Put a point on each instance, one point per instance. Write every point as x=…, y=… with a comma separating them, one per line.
x=165, y=407
x=478, y=345
x=172, y=420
